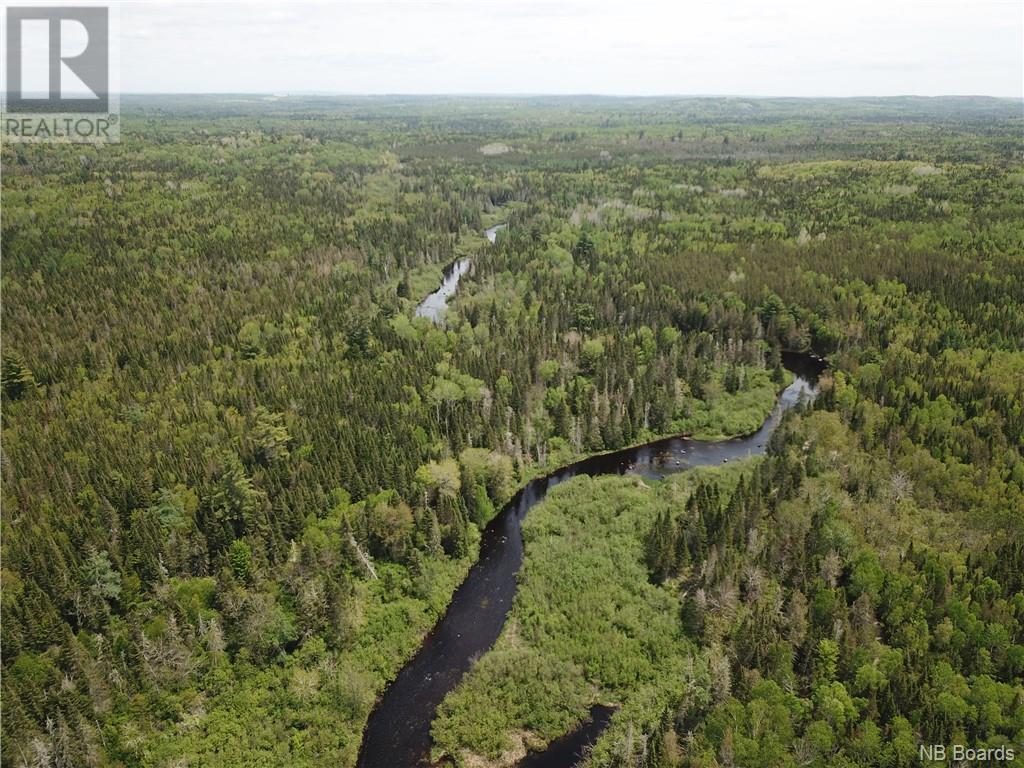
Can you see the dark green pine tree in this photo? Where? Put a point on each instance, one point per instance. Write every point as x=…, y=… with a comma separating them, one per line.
x=660, y=547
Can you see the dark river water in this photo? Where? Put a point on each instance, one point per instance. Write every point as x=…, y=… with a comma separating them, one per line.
x=568, y=750
x=397, y=734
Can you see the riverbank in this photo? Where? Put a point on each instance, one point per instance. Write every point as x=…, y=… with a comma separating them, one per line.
x=398, y=731
x=752, y=418
x=587, y=627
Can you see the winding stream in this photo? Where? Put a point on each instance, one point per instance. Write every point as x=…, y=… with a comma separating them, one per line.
x=435, y=305
x=492, y=232
x=397, y=734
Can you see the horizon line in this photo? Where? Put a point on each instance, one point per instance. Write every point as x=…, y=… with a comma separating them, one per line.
x=569, y=94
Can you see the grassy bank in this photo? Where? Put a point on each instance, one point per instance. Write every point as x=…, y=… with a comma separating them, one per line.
x=587, y=626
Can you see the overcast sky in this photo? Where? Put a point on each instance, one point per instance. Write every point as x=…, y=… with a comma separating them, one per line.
x=749, y=47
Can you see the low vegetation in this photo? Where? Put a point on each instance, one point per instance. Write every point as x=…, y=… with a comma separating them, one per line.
x=241, y=479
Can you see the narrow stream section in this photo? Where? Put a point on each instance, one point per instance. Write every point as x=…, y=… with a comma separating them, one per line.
x=566, y=751
x=435, y=305
x=492, y=232
x=397, y=734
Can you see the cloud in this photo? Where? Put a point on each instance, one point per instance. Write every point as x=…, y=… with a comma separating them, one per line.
x=644, y=46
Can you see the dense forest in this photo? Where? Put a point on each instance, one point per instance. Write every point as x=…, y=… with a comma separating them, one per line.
x=241, y=478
